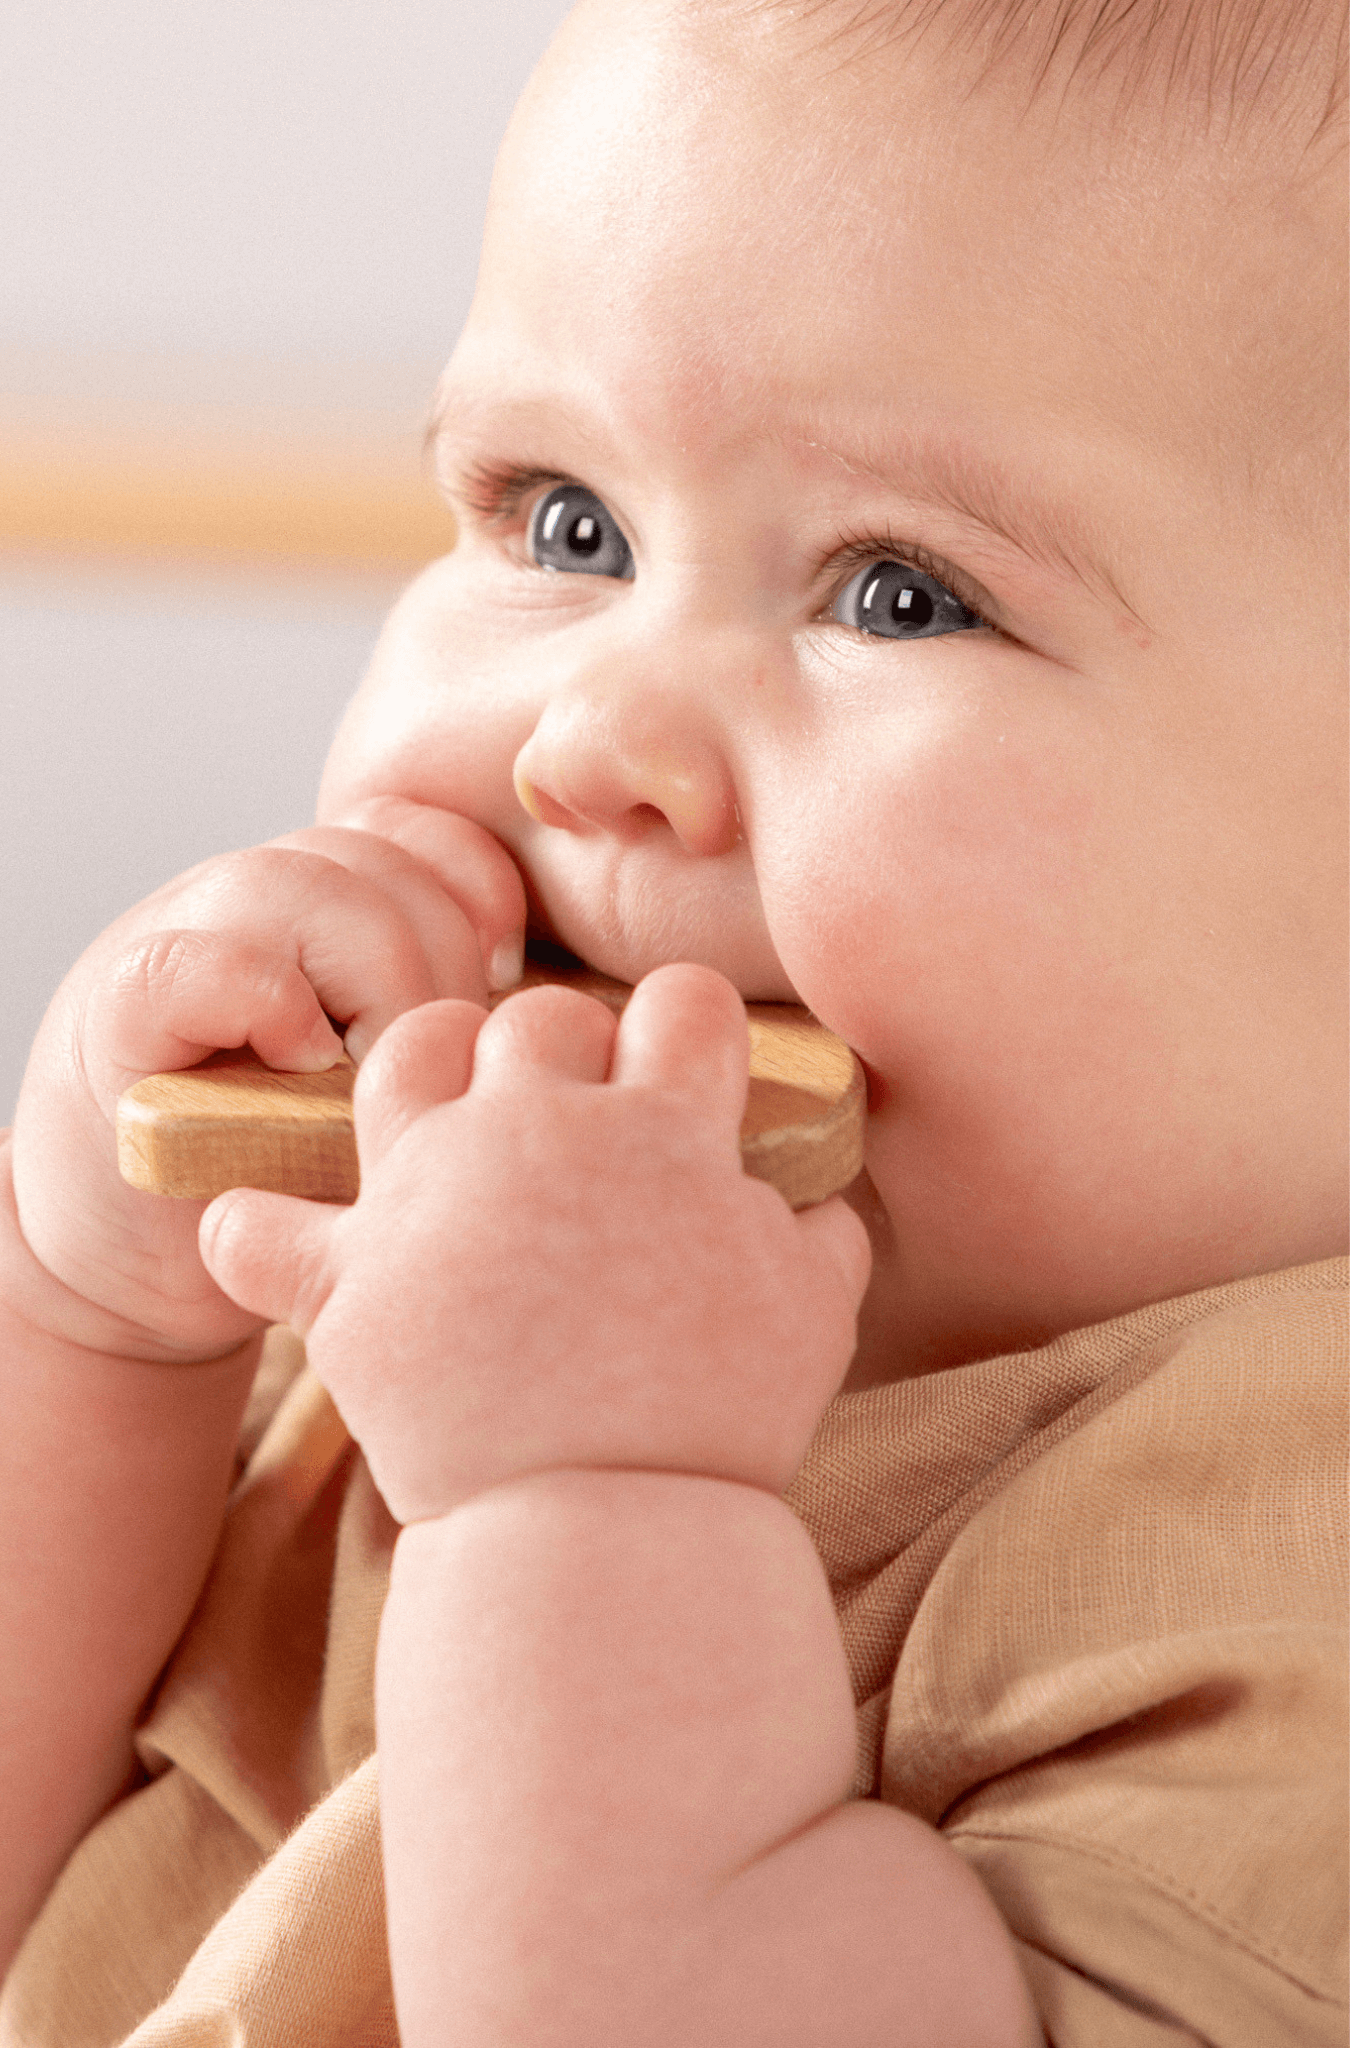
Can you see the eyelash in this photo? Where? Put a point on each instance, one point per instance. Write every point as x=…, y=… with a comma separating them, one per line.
x=496, y=491
x=855, y=548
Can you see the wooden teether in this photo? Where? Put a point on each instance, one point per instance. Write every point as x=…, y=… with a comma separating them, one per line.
x=232, y=1122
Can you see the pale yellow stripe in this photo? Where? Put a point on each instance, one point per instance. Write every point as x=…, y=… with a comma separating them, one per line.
x=240, y=501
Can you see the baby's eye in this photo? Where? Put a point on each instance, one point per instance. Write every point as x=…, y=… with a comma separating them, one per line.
x=570, y=529
x=901, y=604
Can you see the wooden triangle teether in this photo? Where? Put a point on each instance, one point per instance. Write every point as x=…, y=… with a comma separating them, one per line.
x=232, y=1122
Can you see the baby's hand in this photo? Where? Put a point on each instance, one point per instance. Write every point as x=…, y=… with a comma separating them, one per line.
x=396, y=906
x=556, y=1259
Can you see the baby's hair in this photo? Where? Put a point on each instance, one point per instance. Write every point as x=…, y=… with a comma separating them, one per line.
x=1222, y=62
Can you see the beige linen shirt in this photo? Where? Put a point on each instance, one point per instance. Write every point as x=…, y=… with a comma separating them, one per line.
x=1093, y=1600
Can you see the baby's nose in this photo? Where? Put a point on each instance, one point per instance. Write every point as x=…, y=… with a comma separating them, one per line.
x=592, y=765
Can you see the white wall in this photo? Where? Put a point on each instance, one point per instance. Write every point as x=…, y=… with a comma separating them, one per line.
x=148, y=722
x=248, y=204
x=283, y=184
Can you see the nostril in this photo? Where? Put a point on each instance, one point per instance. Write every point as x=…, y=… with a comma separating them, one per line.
x=647, y=814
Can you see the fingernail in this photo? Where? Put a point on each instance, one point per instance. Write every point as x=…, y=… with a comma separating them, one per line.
x=359, y=1041
x=321, y=1050
x=507, y=963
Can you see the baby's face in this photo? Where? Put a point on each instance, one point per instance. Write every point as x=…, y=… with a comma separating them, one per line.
x=941, y=627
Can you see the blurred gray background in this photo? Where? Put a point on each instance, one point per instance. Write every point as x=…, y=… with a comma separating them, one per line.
x=265, y=209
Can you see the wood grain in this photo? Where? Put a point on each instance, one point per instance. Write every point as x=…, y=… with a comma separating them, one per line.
x=232, y=1122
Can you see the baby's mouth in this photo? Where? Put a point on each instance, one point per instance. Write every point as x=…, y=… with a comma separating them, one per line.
x=544, y=945
x=550, y=956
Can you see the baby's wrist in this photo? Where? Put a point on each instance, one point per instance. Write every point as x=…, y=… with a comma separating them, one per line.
x=37, y=1304
x=577, y=1490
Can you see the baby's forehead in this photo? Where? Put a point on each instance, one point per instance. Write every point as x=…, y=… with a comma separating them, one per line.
x=754, y=164
x=712, y=138
x=1243, y=96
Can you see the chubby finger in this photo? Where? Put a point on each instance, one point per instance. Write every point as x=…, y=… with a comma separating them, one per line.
x=359, y=951
x=837, y=1233
x=174, y=996
x=685, y=1030
x=469, y=864
x=270, y=1253
x=447, y=939
x=553, y=1031
x=425, y=1058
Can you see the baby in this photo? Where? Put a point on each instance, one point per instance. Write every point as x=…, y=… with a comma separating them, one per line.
x=898, y=459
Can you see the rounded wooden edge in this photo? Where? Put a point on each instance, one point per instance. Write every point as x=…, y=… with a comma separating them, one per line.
x=196, y=1132
x=810, y=1161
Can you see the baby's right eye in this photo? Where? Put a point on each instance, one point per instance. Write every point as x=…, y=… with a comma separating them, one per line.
x=900, y=603
x=570, y=529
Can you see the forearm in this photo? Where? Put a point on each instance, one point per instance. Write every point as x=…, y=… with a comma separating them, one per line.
x=616, y=1740
x=598, y=1696
x=113, y=1478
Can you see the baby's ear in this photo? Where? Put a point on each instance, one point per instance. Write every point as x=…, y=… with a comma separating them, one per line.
x=270, y=1253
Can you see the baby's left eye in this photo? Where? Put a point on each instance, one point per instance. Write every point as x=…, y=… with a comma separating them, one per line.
x=572, y=530
x=901, y=604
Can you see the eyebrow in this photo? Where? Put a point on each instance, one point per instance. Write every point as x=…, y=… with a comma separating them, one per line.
x=1057, y=534
x=470, y=415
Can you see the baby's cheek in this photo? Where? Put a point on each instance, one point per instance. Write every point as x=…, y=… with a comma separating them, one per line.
x=435, y=720
x=939, y=876
x=964, y=911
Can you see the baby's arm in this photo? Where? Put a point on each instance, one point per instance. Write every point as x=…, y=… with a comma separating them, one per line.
x=113, y=1473
x=616, y=1737
x=584, y=1353
x=124, y=1369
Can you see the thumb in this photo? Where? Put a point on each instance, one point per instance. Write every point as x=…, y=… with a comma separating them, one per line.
x=270, y=1253
x=838, y=1234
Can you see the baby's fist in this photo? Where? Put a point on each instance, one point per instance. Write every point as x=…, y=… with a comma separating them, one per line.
x=556, y=1259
